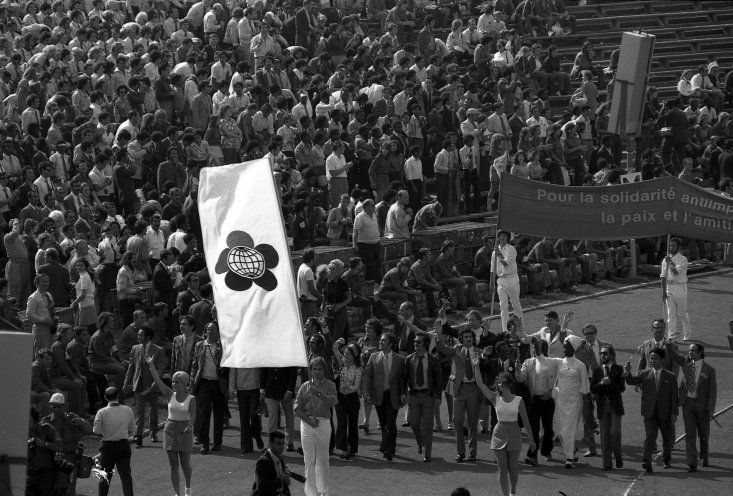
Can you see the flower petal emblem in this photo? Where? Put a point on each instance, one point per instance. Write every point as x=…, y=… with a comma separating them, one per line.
x=244, y=263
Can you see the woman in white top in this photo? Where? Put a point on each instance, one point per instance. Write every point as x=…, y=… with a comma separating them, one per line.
x=178, y=431
x=349, y=389
x=84, y=303
x=506, y=440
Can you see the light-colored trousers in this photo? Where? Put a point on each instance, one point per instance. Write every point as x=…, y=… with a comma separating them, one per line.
x=677, y=309
x=272, y=412
x=507, y=287
x=315, y=455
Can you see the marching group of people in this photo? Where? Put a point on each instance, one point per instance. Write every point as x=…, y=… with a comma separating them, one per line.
x=110, y=110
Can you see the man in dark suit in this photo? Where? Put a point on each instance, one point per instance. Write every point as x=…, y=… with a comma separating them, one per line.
x=385, y=387
x=210, y=385
x=607, y=384
x=277, y=389
x=673, y=146
x=58, y=277
x=698, y=391
x=462, y=387
x=165, y=279
x=659, y=406
x=305, y=23
x=407, y=325
x=201, y=310
x=272, y=477
x=672, y=359
x=72, y=201
x=139, y=381
x=423, y=378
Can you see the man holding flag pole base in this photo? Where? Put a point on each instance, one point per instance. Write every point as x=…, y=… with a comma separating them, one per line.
x=674, y=290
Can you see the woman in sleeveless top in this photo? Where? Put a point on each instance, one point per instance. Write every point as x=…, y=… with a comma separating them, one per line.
x=178, y=432
x=506, y=440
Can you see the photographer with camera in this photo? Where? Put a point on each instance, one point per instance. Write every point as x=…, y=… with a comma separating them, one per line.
x=71, y=428
x=43, y=442
x=336, y=296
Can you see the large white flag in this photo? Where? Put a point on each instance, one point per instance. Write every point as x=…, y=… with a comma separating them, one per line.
x=249, y=263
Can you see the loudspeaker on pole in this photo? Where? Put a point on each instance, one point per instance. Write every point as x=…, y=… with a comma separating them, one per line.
x=634, y=66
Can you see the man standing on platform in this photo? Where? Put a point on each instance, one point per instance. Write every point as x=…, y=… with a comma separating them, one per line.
x=674, y=290
x=698, y=391
x=504, y=264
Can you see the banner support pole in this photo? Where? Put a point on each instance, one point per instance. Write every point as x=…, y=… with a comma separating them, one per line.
x=492, y=283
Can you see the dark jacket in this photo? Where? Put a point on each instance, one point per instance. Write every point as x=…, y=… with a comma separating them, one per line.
x=267, y=483
x=659, y=403
x=435, y=375
x=611, y=392
x=276, y=381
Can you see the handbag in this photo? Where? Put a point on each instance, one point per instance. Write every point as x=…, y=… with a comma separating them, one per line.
x=220, y=371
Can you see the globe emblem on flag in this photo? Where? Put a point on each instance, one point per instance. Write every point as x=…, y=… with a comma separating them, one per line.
x=244, y=263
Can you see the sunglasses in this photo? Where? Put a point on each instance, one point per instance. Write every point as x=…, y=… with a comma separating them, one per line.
x=605, y=353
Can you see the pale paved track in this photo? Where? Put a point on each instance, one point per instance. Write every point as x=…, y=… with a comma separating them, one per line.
x=623, y=319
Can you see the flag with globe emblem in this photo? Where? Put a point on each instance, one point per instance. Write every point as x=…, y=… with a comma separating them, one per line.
x=247, y=254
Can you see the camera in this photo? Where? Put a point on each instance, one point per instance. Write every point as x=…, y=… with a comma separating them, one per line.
x=330, y=311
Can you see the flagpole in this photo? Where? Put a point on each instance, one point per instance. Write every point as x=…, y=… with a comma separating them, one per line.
x=664, y=299
x=492, y=282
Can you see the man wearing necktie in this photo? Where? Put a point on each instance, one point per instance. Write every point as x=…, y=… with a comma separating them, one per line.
x=385, y=386
x=138, y=380
x=462, y=387
x=698, y=391
x=423, y=377
x=607, y=384
x=659, y=406
x=590, y=354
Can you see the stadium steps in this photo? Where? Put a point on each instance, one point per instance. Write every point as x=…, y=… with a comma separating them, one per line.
x=687, y=35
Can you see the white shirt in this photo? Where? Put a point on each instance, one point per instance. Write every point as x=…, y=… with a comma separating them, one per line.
x=682, y=378
x=156, y=242
x=509, y=255
x=305, y=274
x=413, y=169
x=334, y=162
x=680, y=262
x=387, y=361
x=367, y=228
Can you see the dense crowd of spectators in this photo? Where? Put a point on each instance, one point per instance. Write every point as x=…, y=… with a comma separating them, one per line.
x=363, y=109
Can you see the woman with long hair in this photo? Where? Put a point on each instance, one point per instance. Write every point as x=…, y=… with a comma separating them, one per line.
x=178, y=431
x=520, y=168
x=84, y=304
x=349, y=389
x=506, y=440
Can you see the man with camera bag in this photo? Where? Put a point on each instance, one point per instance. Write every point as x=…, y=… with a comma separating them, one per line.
x=71, y=428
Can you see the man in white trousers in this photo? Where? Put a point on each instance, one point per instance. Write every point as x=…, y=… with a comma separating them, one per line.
x=674, y=291
x=504, y=265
